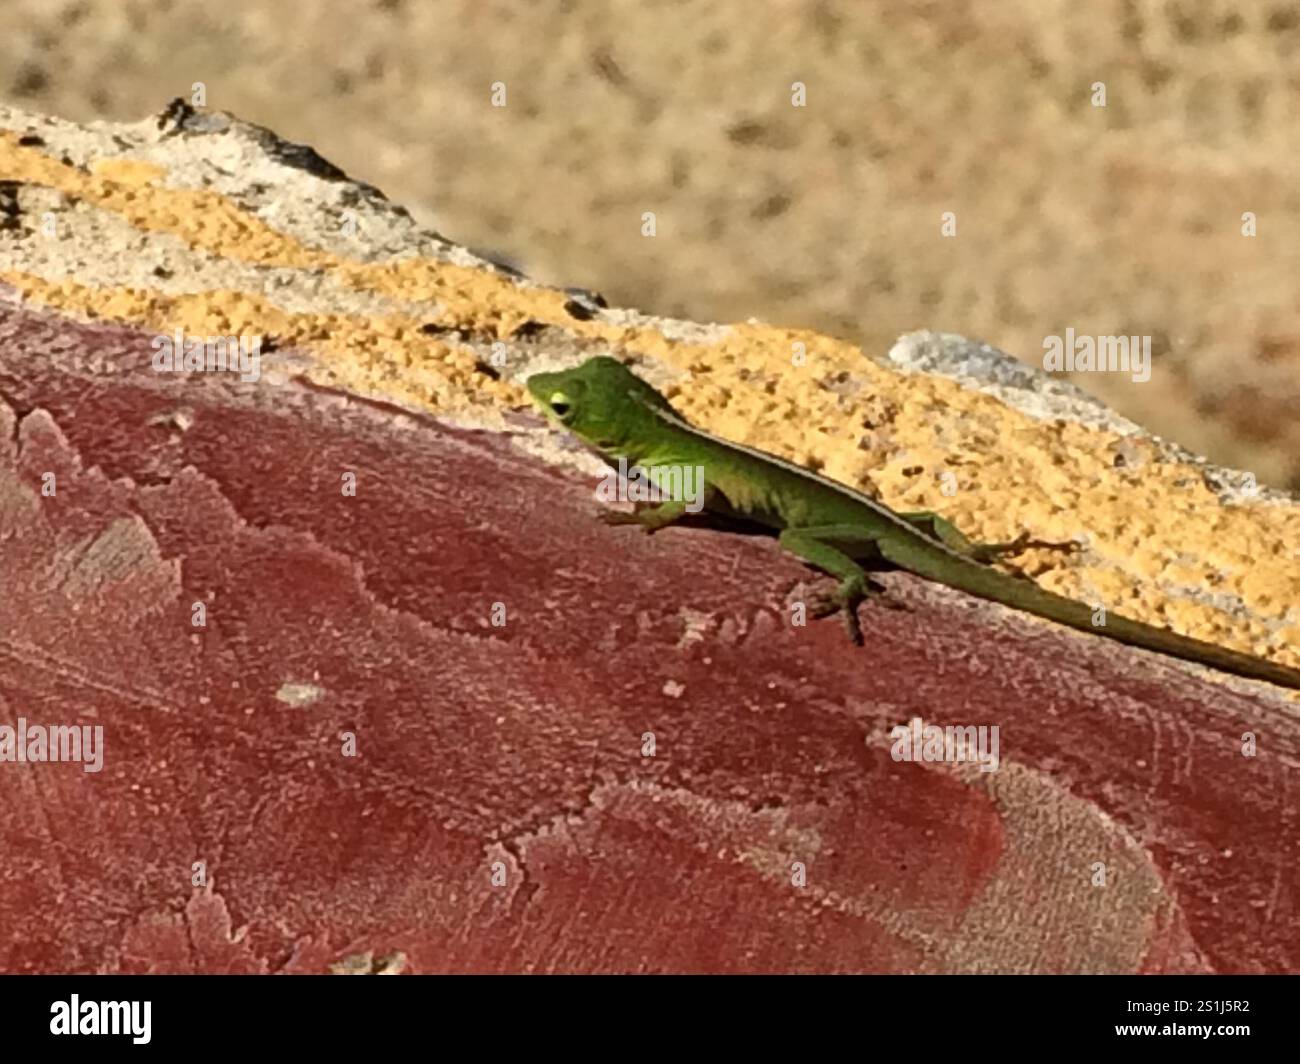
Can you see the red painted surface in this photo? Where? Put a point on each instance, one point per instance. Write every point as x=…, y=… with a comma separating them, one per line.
x=522, y=745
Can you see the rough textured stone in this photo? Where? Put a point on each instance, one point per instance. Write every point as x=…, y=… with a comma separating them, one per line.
x=1117, y=219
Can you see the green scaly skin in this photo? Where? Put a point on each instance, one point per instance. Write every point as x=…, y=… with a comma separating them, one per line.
x=828, y=525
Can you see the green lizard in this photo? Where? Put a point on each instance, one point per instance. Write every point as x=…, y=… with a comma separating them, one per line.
x=826, y=524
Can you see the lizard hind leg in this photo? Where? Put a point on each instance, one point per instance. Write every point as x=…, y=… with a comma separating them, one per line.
x=952, y=537
x=812, y=546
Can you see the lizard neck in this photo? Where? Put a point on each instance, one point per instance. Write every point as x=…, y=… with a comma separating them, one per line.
x=640, y=437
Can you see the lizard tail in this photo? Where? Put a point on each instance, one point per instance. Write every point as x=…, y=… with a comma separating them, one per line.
x=1023, y=594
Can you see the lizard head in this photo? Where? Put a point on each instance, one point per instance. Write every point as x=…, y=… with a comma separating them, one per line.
x=602, y=402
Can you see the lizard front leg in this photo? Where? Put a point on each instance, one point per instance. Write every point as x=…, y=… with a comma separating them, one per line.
x=650, y=518
x=654, y=517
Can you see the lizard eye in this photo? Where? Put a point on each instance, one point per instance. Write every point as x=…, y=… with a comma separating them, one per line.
x=560, y=404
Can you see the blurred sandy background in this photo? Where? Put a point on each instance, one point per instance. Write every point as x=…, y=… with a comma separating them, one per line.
x=1123, y=219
